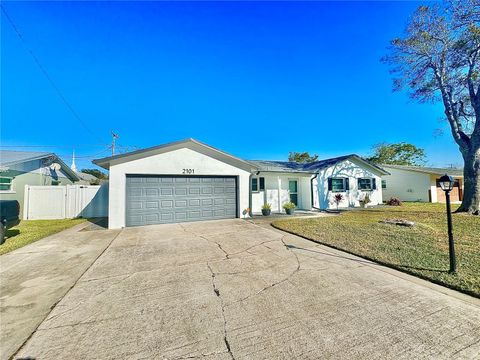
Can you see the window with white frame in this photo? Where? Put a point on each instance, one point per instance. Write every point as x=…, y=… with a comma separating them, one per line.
x=258, y=184
x=338, y=184
x=6, y=183
x=366, y=184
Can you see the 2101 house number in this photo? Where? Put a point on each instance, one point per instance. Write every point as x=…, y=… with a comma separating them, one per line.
x=188, y=171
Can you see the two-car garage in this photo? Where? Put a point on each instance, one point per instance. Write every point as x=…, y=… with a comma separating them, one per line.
x=181, y=181
x=156, y=199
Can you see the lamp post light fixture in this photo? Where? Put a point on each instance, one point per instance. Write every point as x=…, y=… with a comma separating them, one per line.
x=446, y=183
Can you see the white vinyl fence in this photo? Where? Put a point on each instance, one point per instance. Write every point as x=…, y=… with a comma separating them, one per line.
x=65, y=202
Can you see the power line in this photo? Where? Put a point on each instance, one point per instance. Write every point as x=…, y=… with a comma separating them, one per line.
x=47, y=75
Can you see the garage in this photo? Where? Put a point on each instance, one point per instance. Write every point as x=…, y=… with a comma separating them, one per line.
x=182, y=181
x=153, y=199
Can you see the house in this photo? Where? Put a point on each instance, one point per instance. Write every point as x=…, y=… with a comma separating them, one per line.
x=87, y=179
x=418, y=183
x=20, y=168
x=188, y=181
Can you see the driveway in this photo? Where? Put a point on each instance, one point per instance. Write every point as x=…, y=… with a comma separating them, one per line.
x=234, y=290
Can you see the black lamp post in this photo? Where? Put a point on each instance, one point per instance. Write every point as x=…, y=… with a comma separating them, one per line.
x=446, y=183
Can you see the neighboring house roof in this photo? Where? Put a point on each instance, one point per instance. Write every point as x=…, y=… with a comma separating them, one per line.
x=312, y=167
x=12, y=157
x=428, y=170
x=86, y=177
x=187, y=143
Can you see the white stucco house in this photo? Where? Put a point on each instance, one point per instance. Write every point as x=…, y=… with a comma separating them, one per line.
x=419, y=183
x=188, y=181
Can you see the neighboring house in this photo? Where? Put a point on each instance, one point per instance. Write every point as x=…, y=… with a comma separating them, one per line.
x=88, y=179
x=20, y=168
x=188, y=180
x=418, y=183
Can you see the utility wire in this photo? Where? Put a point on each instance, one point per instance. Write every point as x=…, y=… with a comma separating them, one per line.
x=45, y=72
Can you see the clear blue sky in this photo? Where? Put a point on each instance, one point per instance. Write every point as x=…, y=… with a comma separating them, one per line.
x=256, y=79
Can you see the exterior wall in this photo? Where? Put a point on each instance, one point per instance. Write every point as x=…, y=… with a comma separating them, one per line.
x=277, y=193
x=409, y=185
x=323, y=198
x=169, y=163
x=30, y=173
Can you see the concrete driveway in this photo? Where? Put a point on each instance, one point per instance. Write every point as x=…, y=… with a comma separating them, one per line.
x=235, y=290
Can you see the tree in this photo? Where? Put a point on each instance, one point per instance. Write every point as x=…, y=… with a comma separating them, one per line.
x=97, y=173
x=437, y=59
x=301, y=157
x=397, y=154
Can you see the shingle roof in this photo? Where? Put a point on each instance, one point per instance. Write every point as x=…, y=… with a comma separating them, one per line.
x=313, y=167
x=8, y=157
x=429, y=170
x=11, y=157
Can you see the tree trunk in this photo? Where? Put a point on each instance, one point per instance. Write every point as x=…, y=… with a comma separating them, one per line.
x=471, y=177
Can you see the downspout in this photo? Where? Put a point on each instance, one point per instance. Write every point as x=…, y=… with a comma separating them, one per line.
x=311, y=191
x=250, y=194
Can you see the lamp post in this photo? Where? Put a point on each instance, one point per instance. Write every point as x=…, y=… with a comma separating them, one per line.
x=446, y=183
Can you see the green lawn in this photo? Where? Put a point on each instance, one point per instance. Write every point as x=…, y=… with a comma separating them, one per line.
x=421, y=250
x=29, y=231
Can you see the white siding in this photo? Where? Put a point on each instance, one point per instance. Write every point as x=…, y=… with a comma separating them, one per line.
x=277, y=193
x=409, y=185
x=169, y=163
x=323, y=198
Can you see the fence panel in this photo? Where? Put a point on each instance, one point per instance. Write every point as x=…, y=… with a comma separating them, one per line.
x=61, y=202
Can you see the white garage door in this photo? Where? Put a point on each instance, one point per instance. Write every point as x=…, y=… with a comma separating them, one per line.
x=170, y=199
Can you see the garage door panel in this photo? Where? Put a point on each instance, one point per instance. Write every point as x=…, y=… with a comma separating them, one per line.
x=167, y=199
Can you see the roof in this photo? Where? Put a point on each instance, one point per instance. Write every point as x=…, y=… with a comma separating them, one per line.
x=12, y=157
x=85, y=176
x=309, y=168
x=186, y=143
x=428, y=170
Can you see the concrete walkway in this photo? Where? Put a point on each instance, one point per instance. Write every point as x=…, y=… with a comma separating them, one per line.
x=34, y=278
x=233, y=290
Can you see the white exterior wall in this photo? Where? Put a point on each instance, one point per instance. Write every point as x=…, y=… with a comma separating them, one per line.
x=169, y=163
x=277, y=193
x=409, y=185
x=323, y=199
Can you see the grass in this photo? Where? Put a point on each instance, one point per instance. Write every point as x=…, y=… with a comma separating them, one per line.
x=29, y=231
x=421, y=250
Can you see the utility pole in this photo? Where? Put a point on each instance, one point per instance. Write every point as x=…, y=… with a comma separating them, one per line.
x=114, y=137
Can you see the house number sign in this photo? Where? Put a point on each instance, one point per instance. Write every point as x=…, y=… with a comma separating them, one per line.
x=188, y=171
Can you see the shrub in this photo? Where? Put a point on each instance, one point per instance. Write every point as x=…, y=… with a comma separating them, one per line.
x=266, y=206
x=394, y=201
x=289, y=205
x=338, y=199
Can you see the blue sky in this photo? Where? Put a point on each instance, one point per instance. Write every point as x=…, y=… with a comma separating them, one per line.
x=256, y=79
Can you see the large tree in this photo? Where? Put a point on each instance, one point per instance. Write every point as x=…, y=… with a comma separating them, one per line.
x=437, y=59
x=301, y=157
x=397, y=154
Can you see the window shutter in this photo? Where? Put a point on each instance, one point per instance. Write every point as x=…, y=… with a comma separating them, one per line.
x=347, y=184
x=374, y=184
x=358, y=183
x=329, y=184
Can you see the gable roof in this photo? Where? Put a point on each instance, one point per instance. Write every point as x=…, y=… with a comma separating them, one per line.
x=186, y=143
x=12, y=157
x=428, y=170
x=312, y=167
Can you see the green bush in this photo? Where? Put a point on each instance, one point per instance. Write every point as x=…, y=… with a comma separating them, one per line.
x=289, y=205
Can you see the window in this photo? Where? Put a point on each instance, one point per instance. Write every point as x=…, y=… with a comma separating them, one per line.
x=254, y=184
x=262, y=183
x=337, y=184
x=366, y=184
x=384, y=184
x=56, y=182
x=6, y=183
x=258, y=184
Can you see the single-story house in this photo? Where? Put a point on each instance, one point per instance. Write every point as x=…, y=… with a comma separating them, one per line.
x=188, y=180
x=20, y=168
x=418, y=183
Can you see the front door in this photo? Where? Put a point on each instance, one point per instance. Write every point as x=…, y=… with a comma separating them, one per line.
x=293, y=190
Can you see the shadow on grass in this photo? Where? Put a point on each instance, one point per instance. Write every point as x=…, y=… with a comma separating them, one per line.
x=11, y=233
x=368, y=261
